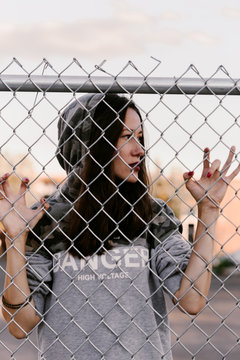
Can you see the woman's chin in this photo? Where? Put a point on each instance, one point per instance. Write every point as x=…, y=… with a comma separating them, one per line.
x=132, y=179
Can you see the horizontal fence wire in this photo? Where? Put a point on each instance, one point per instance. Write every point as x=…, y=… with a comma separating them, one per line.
x=104, y=302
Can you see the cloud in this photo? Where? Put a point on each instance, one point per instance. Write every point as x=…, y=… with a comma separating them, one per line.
x=125, y=32
x=171, y=16
x=129, y=33
x=203, y=38
x=231, y=13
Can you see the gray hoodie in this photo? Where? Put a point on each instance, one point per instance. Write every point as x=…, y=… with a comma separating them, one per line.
x=108, y=306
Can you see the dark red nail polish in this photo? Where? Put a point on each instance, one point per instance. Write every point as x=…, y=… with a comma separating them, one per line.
x=25, y=180
x=209, y=174
x=190, y=173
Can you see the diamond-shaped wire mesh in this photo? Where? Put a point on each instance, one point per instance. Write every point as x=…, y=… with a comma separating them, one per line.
x=101, y=263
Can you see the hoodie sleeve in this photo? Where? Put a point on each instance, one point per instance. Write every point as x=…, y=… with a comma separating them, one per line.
x=170, y=256
x=39, y=274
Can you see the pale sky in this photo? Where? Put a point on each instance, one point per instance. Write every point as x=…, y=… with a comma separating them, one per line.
x=176, y=32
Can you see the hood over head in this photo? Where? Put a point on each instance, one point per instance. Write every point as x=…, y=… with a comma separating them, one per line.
x=74, y=130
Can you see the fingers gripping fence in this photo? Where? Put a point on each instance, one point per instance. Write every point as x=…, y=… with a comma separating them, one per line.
x=103, y=298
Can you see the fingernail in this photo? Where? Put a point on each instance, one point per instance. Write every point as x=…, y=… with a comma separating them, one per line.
x=25, y=180
x=209, y=174
x=190, y=173
x=5, y=176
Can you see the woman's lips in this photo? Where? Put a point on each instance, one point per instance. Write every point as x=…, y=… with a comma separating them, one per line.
x=135, y=166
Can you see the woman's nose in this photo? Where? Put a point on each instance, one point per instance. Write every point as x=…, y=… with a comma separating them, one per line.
x=139, y=149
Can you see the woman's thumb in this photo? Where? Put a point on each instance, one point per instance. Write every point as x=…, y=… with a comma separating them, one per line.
x=187, y=176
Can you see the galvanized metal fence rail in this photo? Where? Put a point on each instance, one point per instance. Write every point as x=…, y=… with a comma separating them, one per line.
x=181, y=115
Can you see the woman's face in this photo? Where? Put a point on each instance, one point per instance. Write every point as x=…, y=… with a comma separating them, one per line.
x=127, y=164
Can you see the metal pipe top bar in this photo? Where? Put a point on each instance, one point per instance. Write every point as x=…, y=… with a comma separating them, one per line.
x=139, y=85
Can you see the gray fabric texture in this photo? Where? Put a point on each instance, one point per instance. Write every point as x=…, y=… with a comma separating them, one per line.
x=112, y=304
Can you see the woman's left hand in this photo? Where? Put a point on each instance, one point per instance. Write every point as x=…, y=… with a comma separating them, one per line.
x=210, y=189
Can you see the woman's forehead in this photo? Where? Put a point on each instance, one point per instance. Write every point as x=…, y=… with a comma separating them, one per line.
x=132, y=120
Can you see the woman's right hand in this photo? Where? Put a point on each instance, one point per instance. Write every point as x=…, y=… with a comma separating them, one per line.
x=15, y=216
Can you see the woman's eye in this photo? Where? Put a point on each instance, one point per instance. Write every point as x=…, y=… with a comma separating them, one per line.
x=127, y=136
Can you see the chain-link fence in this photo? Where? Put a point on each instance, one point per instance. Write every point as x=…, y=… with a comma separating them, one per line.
x=100, y=299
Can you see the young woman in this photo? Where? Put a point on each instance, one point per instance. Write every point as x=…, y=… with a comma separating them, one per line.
x=107, y=249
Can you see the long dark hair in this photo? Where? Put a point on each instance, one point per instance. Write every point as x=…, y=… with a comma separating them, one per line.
x=106, y=209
